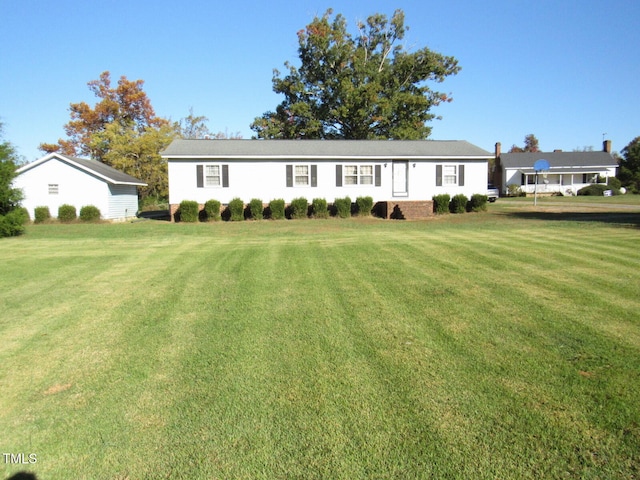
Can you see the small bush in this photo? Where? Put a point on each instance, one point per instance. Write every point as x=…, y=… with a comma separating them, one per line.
x=256, y=209
x=212, y=211
x=276, y=207
x=189, y=211
x=514, y=190
x=365, y=205
x=614, y=183
x=67, y=213
x=89, y=213
x=319, y=208
x=236, y=208
x=299, y=207
x=478, y=202
x=459, y=203
x=441, y=203
x=343, y=207
x=593, y=190
x=12, y=224
x=42, y=214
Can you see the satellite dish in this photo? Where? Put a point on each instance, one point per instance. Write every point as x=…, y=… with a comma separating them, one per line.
x=541, y=165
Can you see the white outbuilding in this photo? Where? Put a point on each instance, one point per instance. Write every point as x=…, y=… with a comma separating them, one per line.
x=57, y=179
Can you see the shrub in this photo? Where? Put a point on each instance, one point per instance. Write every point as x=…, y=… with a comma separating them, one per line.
x=189, y=211
x=319, y=208
x=89, y=213
x=343, y=207
x=236, y=209
x=24, y=213
x=276, y=207
x=256, y=209
x=514, y=190
x=212, y=211
x=478, y=202
x=593, y=190
x=66, y=213
x=299, y=207
x=12, y=224
x=42, y=214
x=614, y=183
x=365, y=205
x=441, y=203
x=459, y=203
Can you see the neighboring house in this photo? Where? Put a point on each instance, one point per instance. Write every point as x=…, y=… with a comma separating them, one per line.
x=56, y=179
x=397, y=172
x=569, y=172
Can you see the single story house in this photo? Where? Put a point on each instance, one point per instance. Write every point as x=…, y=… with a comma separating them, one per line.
x=398, y=172
x=568, y=173
x=57, y=179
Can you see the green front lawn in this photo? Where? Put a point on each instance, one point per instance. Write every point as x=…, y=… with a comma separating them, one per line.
x=472, y=346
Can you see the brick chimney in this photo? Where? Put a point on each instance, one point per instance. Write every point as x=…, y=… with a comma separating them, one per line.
x=498, y=149
x=606, y=146
x=557, y=150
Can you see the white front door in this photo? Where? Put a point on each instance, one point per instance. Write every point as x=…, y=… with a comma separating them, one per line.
x=400, y=179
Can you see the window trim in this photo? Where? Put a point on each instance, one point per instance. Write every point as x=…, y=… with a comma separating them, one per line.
x=343, y=174
x=292, y=175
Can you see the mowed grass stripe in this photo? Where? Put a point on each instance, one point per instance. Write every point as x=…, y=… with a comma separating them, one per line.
x=322, y=351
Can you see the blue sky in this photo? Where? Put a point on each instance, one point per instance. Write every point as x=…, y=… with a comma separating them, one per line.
x=567, y=71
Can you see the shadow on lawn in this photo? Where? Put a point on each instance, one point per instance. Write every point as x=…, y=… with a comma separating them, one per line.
x=624, y=219
x=23, y=476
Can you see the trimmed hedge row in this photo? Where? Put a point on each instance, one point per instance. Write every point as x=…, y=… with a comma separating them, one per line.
x=236, y=210
x=459, y=203
x=68, y=213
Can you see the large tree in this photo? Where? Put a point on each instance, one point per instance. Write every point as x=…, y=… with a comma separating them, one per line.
x=531, y=144
x=629, y=171
x=114, y=130
x=365, y=86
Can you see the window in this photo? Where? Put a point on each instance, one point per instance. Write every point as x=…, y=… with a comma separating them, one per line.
x=53, y=189
x=358, y=174
x=302, y=175
x=450, y=174
x=212, y=176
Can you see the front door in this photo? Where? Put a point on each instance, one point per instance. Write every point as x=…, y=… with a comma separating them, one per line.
x=400, y=178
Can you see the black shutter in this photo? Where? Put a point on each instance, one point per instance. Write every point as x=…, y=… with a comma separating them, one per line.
x=461, y=175
x=199, y=176
x=438, y=175
x=314, y=175
x=289, y=175
x=338, y=175
x=378, y=175
x=225, y=176
x=523, y=179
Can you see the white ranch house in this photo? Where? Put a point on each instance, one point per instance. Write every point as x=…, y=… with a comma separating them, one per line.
x=568, y=173
x=400, y=173
x=57, y=179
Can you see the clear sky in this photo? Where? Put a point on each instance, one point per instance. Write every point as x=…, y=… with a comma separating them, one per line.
x=567, y=71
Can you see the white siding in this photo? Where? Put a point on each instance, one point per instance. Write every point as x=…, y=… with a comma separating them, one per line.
x=75, y=187
x=267, y=180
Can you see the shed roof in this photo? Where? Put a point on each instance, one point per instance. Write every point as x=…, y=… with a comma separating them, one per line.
x=94, y=167
x=558, y=159
x=329, y=149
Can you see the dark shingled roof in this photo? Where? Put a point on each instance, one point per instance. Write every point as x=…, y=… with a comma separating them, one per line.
x=323, y=148
x=99, y=169
x=558, y=159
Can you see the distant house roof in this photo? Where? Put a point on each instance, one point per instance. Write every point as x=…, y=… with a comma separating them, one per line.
x=329, y=149
x=573, y=160
x=93, y=167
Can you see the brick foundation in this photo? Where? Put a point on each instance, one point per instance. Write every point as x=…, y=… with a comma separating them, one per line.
x=406, y=210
